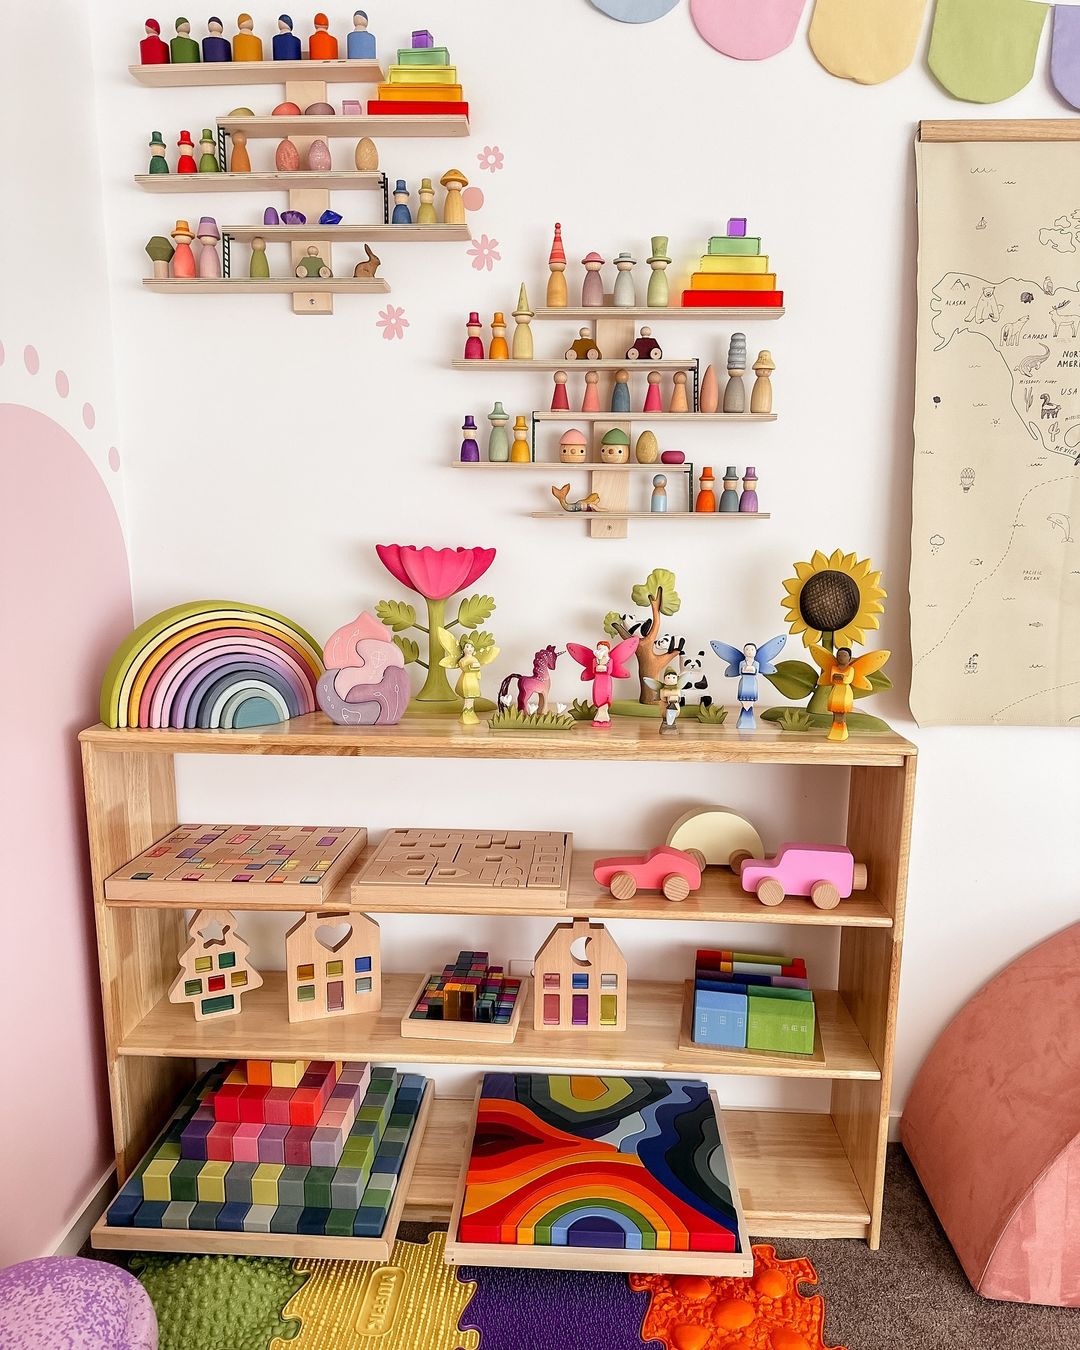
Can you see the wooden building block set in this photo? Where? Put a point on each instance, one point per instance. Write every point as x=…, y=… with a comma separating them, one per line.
x=469, y=991
x=747, y=1001
x=241, y=1155
x=734, y=272
x=422, y=84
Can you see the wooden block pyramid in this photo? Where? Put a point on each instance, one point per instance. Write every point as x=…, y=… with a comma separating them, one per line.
x=734, y=274
x=423, y=83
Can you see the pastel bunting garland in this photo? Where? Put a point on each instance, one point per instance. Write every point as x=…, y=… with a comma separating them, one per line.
x=748, y=30
x=635, y=11
x=869, y=41
x=983, y=51
x=1065, y=53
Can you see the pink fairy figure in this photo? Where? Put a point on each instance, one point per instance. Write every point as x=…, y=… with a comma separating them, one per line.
x=365, y=681
x=603, y=665
x=534, y=689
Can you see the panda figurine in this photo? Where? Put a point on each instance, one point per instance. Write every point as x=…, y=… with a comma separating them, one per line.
x=695, y=681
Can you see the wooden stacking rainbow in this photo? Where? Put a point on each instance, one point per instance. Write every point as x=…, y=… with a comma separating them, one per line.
x=212, y=663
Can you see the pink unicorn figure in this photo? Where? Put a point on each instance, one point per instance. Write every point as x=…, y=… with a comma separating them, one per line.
x=535, y=686
x=603, y=665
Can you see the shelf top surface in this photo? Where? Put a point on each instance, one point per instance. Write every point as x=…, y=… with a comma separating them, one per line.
x=185, y=75
x=258, y=181
x=351, y=233
x=385, y=124
x=571, y=366
x=629, y=738
x=670, y=312
x=268, y=285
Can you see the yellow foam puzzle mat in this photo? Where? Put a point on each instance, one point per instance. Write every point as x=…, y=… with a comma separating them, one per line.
x=869, y=41
x=412, y=1302
x=984, y=50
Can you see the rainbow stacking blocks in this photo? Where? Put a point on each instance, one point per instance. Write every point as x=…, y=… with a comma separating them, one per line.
x=468, y=991
x=746, y=1001
x=734, y=274
x=257, y=1146
x=423, y=83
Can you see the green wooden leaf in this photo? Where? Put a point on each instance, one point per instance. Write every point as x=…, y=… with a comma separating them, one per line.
x=659, y=576
x=408, y=649
x=396, y=614
x=474, y=610
x=794, y=679
x=480, y=641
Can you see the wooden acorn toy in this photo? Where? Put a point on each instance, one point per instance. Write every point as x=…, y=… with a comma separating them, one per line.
x=360, y=45
x=761, y=394
x=522, y=349
x=498, y=350
x=426, y=213
x=209, y=259
x=259, y=266
x=401, y=215
x=246, y=46
x=592, y=288
x=556, y=287
x=183, y=49
x=366, y=155
x=369, y=266
x=735, y=392
x=474, y=343
x=160, y=252
x=240, y=160
x=560, y=400
x=208, y=161
x=215, y=46
x=624, y=295
x=584, y=348
x=158, y=162
x=322, y=45
x=658, y=293
x=183, y=259
x=286, y=45
x=453, y=180
x=152, y=50
x=312, y=265
x=185, y=160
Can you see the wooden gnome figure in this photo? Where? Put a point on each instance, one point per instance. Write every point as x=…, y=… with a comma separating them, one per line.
x=498, y=350
x=183, y=48
x=556, y=287
x=216, y=46
x=322, y=45
x=246, y=46
x=240, y=162
x=214, y=969
x=208, y=162
x=659, y=261
x=522, y=349
x=209, y=259
x=286, y=43
x=761, y=394
x=259, y=267
x=185, y=159
x=426, y=214
x=624, y=294
x=453, y=180
x=498, y=448
x=401, y=213
x=474, y=343
x=360, y=45
x=158, y=162
x=592, y=288
x=152, y=50
x=183, y=260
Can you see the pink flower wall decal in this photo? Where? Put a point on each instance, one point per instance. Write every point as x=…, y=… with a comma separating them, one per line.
x=485, y=253
x=392, y=321
x=491, y=158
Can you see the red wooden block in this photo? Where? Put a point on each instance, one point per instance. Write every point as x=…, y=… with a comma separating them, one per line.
x=471, y=1231
x=298, y=1146
x=226, y=1102
x=305, y=1108
x=276, y=1106
x=415, y=108
x=251, y=1104
x=729, y=299
x=219, y=1142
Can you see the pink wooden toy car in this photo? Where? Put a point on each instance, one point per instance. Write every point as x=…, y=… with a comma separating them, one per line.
x=662, y=869
x=827, y=873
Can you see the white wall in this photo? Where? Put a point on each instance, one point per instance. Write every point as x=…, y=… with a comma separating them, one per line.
x=268, y=453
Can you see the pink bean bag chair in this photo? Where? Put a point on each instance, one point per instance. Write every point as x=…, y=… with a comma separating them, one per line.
x=66, y=1303
x=992, y=1127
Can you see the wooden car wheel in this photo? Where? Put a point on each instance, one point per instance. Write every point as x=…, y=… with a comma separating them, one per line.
x=594, y=354
x=698, y=857
x=676, y=887
x=770, y=892
x=623, y=886
x=632, y=354
x=737, y=856
x=656, y=354
x=824, y=894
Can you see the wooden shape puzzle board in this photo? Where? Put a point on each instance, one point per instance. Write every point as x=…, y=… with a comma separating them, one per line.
x=204, y=865
x=598, y=1173
x=478, y=866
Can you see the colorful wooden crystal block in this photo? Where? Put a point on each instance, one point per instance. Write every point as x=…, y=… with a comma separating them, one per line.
x=422, y=56
x=780, y=1020
x=470, y=990
x=734, y=262
x=333, y=966
x=214, y=969
x=752, y=1001
x=731, y=275
x=416, y=108
x=720, y=244
x=634, y=1164
x=736, y=299
x=572, y=993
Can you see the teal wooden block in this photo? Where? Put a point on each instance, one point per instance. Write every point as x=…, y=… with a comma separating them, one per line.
x=369, y=1222
x=286, y=1218
x=150, y=1213
x=203, y=1216
x=184, y=1178
x=178, y=1214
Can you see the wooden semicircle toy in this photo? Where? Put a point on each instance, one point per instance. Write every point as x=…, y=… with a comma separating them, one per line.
x=212, y=663
x=717, y=836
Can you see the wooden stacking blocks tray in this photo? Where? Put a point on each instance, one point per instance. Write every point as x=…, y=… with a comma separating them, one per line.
x=476, y=867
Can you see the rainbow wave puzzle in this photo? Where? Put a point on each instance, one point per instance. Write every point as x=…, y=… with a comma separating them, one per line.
x=212, y=663
x=632, y=1170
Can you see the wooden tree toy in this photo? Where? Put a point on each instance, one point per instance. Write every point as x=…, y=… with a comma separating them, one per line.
x=286, y=44
x=826, y=873
x=152, y=50
x=498, y=350
x=574, y=992
x=592, y=287
x=259, y=266
x=185, y=159
x=590, y=401
x=735, y=392
x=240, y=160
x=312, y=265
x=709, y=395
x=716, y=836
x=246, y=46
x=401, y=214
x=214, y=969
x=556, y=287
x=474, y=343
x=653, y=400
x=454, y=206
x=658, y=293
x=680, y=402
x=520, y=451
x=215, y=46
x=360, y=44
x=366, y=155
x=654, y=652
x=322, y=45
x=560, y=399
x=183, y=49
x=522, y=349
x=333, y=966
x=158, y=162
x=160, y=252
x=426, y=213
x=624, y=295
x=498, y=443
x=183, y=260
x=369, y=266
x=761, y=394
x=208, y=161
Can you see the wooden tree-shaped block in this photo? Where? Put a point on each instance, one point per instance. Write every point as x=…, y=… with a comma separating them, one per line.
x=214, y=969
x=584, y=992
x=332, y=966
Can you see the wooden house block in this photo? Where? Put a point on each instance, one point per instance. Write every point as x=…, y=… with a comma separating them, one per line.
x=332, y=966
x=214, y=969
x=579, y=991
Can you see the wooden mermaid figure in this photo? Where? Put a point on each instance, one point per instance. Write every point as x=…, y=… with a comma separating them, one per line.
x=533, y=690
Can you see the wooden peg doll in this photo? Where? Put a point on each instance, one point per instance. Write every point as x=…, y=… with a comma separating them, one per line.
x=366, y=155
x=401, y=214
x=653, y=401
x=453, y=180
x=322, y=45
x=160, y=253
x=183, y=259
x=735, y=392
x=659, y=493
x=259, y=266
x=240, y=160
x=761, y=394
x=624, y=294
x=705, y=502
x=620, y=392
x=474, y=343
x=659, y=261
x=158, y=162
x=426, y=214
x=183, y=49
x=591, y=400
x=560, y=400
x=729, y=498
x=748, y=502
x=709, y=396
x=498, y=349
x=679, y=401
x=246, y=46
x=520, y=453
x=209, y=259
x=286, y=44
x=185, y=159
x=215, y=46
x=152, y=50
x=556, y=287
x=498, y=450
x=360, y=44
x=522, y=349
x=470, y=450
x=208, y=161
x=592, y=288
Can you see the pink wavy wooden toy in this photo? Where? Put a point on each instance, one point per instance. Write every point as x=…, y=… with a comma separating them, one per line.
x=827, y=873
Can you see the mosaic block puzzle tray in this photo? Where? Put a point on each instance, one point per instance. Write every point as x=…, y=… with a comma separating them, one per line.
x=278, y=1158
x=236, y=865
x=468, y=1001
x=598, y=1173
x=417, y=868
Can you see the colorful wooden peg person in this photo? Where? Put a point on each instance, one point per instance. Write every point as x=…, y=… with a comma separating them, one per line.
x=185, y=158
x=735, y=392
x=556, y=287
x=498, y=349
x=729, y=498
x=152, y=50
x=183, y=261
x=322, y=45
x=709, y=395
x=208, y=161
x=401, y=215
x=590, y=401
x=573, y=447
x=522, y=349
x=498, y=450
x=560, y=399
x=158, y=162
x=312, y=265
x=246, y=46
x=624, y=296
x=366, y=155
x=474, y=343
x=453, y=180
x=215, y=46
x=470, y=450
x=240, y=160
x=286, y=44
x=209, y=259
x=520, y=451
x=658, y=293
x=748, y=501
x=183, y=49
x=658, y=503
x=259, y=266
x=426, y=213
x=620, y=392
x=653, y=400
x=360, y=45
x=592, y=288
x=680, y=401
x=705, y=502
x=160, y=252
x=761, y=394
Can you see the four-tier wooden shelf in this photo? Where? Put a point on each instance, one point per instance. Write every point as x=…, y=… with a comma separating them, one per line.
x=800, y=1174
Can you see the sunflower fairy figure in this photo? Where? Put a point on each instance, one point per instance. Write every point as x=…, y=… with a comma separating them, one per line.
x=842, y=674
x=467, y=655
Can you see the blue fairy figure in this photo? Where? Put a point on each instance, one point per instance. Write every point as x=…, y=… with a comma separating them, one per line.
x=748, y=664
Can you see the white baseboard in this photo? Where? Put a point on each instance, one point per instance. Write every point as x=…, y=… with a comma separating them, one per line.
x=77, y=1235
x=894, y=1126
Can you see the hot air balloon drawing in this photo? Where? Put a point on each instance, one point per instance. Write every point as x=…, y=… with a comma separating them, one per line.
x=967, y=479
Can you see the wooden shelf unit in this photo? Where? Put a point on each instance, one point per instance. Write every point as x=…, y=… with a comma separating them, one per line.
x=610, y=311
x=573, y=367
x=264, y=181
x=799, y=1175
x=622, y=419
x=591, y=517
x=203, y=73
x=350, y=127
x=351, y=234
x=298, y=286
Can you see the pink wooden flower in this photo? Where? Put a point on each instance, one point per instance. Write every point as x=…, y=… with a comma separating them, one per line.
x=435, y=573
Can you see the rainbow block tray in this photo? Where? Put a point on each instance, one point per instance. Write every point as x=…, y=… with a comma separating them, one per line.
x=576, y=1172
x=176, y=1204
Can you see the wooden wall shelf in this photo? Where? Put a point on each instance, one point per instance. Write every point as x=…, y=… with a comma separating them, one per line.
x=621, y=419
x=556, y=467
x=690, y=363
x=260, y=182
x=203, y=73
x=345, y=234
x=601, y=312
x=351, y=127
x=270, y=286
x=587, y=517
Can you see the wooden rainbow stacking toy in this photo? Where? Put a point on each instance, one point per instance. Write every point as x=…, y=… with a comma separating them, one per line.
x=212, y=663
x=423, y=83
x=734, y=274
